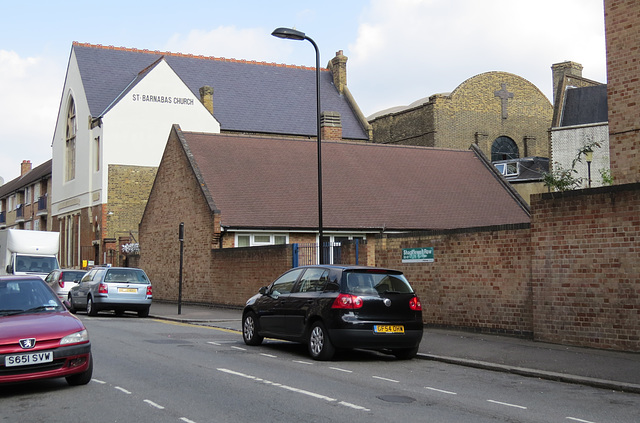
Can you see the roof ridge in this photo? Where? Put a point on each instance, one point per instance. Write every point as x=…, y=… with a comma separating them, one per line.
x=195, y=56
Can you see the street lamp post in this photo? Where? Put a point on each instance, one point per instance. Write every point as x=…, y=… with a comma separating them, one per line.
x=293, y=34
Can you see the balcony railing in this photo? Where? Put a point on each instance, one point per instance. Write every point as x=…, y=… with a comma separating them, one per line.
x=20, y=213
x=42, y=205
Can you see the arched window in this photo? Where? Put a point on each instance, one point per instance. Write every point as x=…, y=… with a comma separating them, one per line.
x=70, y=145
x=504, y=148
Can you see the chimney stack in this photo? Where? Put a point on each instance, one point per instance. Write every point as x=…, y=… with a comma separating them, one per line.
x=338, y=67
x=206, y=97
x=560, y=70
x=25, y=167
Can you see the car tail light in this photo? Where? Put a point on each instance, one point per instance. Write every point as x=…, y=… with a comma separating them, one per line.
x=60, y=281
x=149, y=291
x=415, y=304
x=103, y=288
x=347, y=301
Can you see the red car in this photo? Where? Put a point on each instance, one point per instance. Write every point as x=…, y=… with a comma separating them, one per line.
x=39, y=338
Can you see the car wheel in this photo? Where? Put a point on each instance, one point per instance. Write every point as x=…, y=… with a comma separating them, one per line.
x=405, y=353
x=72, y=308
x=143, y=313
x=82, y=378
x=319, y=344
x=91, y=307
x=250, y=329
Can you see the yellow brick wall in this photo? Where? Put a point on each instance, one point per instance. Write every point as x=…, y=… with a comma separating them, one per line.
x=473, y=114
x=129, y=188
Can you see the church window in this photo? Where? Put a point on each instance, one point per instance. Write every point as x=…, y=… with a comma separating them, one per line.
x=504, y=148
x=96, y=146
x=70, y=144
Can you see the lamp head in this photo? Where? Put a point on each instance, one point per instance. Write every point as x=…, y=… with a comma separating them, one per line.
x=289, y=33
x=588, y=155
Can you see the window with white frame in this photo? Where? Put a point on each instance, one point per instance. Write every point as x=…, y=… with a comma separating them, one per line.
x=27, y=195
x=258, y=239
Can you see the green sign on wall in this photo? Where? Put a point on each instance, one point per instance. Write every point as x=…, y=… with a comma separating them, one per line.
x=417, y=255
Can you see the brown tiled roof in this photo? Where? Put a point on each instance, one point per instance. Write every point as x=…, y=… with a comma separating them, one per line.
x=42, y=171
x=269, y=183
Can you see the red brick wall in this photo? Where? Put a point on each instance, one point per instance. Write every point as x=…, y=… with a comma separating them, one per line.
x=586, y=267
x=177, y=197
x=622, y=18
x=238, y=273
x=478, y=280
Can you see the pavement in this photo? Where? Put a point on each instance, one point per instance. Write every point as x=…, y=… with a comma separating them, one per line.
x=604, y=369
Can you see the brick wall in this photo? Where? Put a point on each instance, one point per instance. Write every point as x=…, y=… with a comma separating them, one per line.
x=129, y=188
x=238, y=273
x=473, y=114
x=623, y=40
x=478, y=280
x=586, y=267
x=177, y=197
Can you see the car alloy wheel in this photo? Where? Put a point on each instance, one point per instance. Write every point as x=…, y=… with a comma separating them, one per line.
x=320, y=346
x=249, y=330
x=91, y=308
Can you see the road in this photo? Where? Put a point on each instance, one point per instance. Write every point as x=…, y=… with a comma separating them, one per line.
x=156, y=371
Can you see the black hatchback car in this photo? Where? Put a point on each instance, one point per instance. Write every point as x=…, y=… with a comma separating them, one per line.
x=337, y=307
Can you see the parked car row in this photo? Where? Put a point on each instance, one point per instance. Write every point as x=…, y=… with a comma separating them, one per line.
x=41, y=339
x=326, y=307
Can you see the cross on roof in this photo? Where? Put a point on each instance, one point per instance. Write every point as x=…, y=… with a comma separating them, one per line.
x=504, y=96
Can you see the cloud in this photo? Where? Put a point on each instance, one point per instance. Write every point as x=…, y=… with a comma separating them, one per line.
x=409, y=49
x=232, y=43
x=34, y=85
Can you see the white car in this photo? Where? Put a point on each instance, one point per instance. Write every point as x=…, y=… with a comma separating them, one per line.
x=62, y=280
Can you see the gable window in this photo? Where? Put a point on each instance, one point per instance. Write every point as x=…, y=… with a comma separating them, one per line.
x=96, y=145
x=504, y=148
x=255, y=240
x=70, y=143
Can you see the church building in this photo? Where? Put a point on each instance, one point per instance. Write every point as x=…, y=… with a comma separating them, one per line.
x=503, y=114
x=118, y=106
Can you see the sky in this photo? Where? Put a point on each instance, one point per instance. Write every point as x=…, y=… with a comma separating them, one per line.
x=398, y=51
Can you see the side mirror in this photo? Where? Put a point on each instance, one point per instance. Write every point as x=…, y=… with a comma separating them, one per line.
x=263, y=290
x=67, y=304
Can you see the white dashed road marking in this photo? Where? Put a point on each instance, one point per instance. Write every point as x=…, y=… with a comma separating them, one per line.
x=293, y=389
x=440, y=390
x=153, y=404
x=507, y=404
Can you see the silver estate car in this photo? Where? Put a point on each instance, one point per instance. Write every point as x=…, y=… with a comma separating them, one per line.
x=112, y=288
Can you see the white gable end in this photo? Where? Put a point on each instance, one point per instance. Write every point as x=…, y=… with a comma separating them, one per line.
x=136, y=128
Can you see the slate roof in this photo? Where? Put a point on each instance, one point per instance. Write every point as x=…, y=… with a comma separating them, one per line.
x=35, y=174
x=254, y=97
x=585, y=105
x=366, y=186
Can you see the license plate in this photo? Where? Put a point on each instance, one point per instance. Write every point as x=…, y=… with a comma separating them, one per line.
x=27, y=359
x=388, y=329
x=130, y=290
